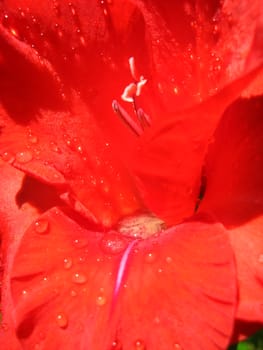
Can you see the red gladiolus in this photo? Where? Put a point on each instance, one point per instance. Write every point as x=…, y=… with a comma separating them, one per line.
x=131, y=187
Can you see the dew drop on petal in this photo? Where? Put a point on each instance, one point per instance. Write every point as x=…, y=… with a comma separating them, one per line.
x=168, y=259
x=79, y=278
x=14, y=32
x=177, y=346
x=73, y=293
x=62, y=320
x=32, y=138
x=113, y=243
x=42, y=226
x=67, y=263
x=139, y=345
x=8, y=157
x=116, y=345
x=82, y=40
x=260, y=259
x=24, y=156
x=101, y=300
x=150, y=257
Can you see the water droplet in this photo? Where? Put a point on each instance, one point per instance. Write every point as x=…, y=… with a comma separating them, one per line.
x=150, y=257
x=72, y=8
x=56, y=7
x=62, y=320
x=42, y=226
x=67, y=263
x=260, y=259
x=113, y=243
x=116, y=345
x=54, y=147
x=21, y=12
x=82, y=40
x=79, y=243
x=139, y=345
x=14, y=32
x=177, y=346
x=176, y=90
x=79, y=278
x=24, y=156
x=8, y=157
x=24, y=292
x=79, y=149
x=32, y=138
x=101, y=300
x=73, y=293
x=168, y=259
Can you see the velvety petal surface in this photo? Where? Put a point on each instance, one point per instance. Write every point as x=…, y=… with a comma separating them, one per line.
x=42, y=44
x=234, y=193
x=180, y=290
x=168, y=162
x=75, y=288
x=14, y=220
x=61, y=286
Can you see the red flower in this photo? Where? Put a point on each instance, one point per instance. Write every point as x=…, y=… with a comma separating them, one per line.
x=101, y=245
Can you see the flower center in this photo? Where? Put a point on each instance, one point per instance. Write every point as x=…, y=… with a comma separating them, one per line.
x=130, y=94
x=141, y=226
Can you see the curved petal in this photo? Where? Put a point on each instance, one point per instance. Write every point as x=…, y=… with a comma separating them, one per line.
x=61, y=285
x=169, y=159
x=180, y=291
x=14, y=220
x=48, y=131
x=39, y=43
x=234, y=193
x=65, y=149
x=74, y=288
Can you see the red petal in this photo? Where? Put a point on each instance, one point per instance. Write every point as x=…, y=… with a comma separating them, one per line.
x=159, y=57
x=180, y=291
x=62, y=284
x=14, y=220
x=59, y=139
x=65, y=148
x=71, y=288
x=234, y=193
x=169, y=161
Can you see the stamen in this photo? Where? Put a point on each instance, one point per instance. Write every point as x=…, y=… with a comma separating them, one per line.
x=130, y=94
x=143, y=117
x=136, y=128
x=133, y=69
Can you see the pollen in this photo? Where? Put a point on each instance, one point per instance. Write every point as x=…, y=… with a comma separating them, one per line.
x=141, y=226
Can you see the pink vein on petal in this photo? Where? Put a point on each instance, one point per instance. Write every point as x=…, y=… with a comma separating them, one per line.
x=122, y=268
